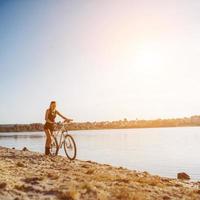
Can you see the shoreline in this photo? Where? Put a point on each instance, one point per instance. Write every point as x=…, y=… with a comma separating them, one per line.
x=93, y=129
x=31, y=175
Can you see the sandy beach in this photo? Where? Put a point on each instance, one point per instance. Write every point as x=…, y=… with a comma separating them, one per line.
x=29, y=175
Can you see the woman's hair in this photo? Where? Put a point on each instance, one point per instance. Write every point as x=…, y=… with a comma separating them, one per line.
x=52, y=102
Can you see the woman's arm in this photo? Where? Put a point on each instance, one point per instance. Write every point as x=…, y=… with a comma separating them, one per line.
x=63, y=116
x=46, y=117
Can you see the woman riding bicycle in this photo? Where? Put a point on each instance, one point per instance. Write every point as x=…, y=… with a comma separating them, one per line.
x=50, y=116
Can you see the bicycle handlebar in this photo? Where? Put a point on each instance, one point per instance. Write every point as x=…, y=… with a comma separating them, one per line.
x=64, y=122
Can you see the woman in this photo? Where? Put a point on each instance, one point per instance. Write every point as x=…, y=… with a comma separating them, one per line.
x=50, y=122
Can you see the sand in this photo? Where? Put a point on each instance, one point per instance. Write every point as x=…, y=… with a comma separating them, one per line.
x=30, y=175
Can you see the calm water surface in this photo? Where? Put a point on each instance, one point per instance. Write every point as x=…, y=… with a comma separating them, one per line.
x=162, y=151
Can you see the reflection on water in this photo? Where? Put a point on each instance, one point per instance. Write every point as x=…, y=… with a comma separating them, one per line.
x=17, y=136
x=32, y=140
x=163, y=151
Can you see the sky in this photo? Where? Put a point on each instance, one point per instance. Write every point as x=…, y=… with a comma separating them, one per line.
x=99, y=60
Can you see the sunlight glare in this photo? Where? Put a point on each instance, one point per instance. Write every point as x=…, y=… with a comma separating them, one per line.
x=148, y=56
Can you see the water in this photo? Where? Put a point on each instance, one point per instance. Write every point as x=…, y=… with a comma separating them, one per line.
x=161, y=151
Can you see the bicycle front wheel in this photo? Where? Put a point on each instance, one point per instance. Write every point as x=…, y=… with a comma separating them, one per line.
x=70, y=147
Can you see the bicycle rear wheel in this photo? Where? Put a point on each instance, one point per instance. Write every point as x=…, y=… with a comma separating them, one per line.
x=70, y=147
x=54, y=146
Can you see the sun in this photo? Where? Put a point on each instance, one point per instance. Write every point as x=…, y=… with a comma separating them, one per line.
x=143, y=57
x=148, y=56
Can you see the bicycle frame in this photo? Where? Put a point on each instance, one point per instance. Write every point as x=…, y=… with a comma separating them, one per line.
x=62, y=135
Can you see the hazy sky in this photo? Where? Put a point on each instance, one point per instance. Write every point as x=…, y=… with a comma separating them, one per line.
x=99, y=59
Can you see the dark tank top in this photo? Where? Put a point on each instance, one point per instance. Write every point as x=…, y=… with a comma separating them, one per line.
x=51, y=115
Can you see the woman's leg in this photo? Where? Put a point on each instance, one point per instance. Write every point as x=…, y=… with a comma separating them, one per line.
x=48, y=141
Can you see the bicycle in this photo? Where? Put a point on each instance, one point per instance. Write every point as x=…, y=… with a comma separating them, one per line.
x=60, y=138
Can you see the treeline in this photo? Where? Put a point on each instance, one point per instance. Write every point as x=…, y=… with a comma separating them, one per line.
x=178, y=122
x=21, y=127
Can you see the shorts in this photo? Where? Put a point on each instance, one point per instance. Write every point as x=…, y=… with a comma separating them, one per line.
x=49, y=126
